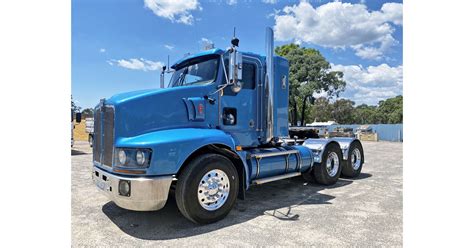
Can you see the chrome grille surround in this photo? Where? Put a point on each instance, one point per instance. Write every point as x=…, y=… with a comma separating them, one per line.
x=104, y=121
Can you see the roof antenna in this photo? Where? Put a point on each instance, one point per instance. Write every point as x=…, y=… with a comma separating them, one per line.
x=162, y=77
x=234, y=41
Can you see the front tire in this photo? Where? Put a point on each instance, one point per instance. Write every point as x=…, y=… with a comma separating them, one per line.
x=207, y=188
x=328, y=171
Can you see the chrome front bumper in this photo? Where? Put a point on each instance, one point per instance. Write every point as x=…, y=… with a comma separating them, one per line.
x=146, y=194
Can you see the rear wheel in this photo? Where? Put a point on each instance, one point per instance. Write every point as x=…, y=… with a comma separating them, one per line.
x=207, y=188
x=353, y=166
x=328, y=171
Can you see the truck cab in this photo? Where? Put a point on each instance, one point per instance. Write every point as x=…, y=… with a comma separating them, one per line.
x=220, y=127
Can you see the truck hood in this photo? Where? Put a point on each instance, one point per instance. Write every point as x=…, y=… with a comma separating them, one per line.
x=144, y=111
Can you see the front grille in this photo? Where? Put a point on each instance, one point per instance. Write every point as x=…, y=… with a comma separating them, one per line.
x=97, y=135
x=108, y=138
x=104, y=135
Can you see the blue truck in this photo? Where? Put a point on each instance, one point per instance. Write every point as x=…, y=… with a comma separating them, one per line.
x=219, y=128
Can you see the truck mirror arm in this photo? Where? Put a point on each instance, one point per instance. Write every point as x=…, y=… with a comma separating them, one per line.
x=228, y=83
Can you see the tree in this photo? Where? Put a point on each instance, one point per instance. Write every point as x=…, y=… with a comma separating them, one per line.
x=342, y=111
x=74, y=107
x=365, y=114
x=322, y=110
x=392, y=110
x=88, y=113
x=309, y=73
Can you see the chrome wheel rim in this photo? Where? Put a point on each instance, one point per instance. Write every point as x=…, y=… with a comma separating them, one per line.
x=356, y=159
x=213, y=190
x=332, y=164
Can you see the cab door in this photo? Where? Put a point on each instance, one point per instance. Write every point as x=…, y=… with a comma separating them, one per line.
x=240, y=111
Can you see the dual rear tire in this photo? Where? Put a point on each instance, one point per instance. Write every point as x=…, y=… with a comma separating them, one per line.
x=332, y=164
x=353, y=165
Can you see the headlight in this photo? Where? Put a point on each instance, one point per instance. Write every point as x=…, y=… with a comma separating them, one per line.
x=140, y=157
x=122, y=157
x=132, y=158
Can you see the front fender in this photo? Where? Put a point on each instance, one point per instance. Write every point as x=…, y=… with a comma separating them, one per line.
x=172, y=147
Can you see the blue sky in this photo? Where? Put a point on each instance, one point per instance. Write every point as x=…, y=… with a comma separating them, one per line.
x=119, y=45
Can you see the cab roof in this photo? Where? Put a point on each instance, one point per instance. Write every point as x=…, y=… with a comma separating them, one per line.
x=215, y=51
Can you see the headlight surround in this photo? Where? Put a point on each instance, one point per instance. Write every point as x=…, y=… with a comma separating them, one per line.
x=122, y=157
x=132, y=157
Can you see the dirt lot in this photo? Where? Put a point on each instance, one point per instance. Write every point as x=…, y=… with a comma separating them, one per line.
x=364, y=212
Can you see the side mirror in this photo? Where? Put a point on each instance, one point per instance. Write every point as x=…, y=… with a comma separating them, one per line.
x=235, y=70
x=78, y=117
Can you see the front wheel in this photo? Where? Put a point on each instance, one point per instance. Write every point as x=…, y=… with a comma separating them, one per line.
x=328, y=171
x=207, y=188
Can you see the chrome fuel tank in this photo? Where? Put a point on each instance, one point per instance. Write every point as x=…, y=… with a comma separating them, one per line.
x=267, y=162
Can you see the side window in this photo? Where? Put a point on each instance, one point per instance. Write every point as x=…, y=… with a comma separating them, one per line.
x=248, y=76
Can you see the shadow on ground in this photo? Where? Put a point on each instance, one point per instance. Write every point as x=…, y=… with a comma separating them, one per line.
x=279, y=199
x=77, y=152
x=361, y=176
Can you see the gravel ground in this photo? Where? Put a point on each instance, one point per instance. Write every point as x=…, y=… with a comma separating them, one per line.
x=364, y=212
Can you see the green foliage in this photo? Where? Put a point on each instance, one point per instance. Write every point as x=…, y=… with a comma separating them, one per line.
x=322, y=109
x=365, y=114
x=87, y=113
x=392, y=110
x=74, y=107
x=309, y=73
x=342, y=111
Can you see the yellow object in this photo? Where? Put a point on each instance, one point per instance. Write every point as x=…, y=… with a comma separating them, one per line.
x=80, y=131
x=368, y=136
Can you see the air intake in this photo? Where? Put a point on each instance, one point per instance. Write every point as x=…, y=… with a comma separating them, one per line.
x=269, y=85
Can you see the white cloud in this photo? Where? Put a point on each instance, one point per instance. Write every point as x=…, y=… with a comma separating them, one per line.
x=174, y=10
x=393, y=12
x=372, y=84
x=102, y=50
x=341, y=25
x=231, y=2
x=137, y=64
x=206, y=40
x=169, y=47
x=206, y=43
x=270, y=1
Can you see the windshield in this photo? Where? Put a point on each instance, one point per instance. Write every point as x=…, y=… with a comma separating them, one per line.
x=198, y=73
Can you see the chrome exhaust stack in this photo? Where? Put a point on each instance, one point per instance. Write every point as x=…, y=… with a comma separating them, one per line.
x=269, y=84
